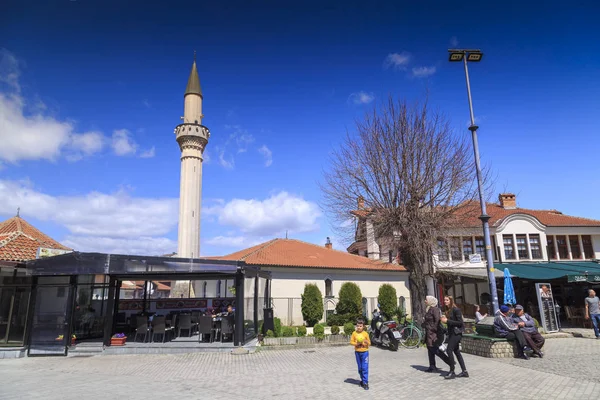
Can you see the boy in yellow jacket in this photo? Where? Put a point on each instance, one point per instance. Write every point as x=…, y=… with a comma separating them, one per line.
x=361, y=342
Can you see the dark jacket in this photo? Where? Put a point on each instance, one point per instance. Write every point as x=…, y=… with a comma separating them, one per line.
x=456, y=325
x=503, y=324
x=529, y=322
x=433, y=335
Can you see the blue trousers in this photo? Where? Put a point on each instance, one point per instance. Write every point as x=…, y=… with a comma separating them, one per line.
x=362, y=360
x=595, y=323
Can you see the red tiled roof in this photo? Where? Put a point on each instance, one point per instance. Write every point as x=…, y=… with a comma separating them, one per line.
x=296, y=253
x=468, y=216
x=19, y=240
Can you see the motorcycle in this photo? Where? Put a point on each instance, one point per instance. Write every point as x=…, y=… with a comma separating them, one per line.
x=384, y=333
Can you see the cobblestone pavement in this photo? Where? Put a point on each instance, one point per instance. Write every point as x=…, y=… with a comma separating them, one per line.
x=567, y=372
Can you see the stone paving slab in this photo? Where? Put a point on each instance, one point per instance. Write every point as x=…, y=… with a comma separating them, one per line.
x=566, y=372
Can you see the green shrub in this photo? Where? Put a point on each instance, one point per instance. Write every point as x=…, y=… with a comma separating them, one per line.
x=301, y=331
x=312, y=304
x=349, y=328
x=335, y=330
x=342, y=319
x=270, y=333
x=350, y=302
x=277, y=326
x=319, y=331
x=288, y=331
x=388, y=302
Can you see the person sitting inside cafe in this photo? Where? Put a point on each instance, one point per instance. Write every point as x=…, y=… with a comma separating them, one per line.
x=527, y=325
x=229, y=311
x=506, y=328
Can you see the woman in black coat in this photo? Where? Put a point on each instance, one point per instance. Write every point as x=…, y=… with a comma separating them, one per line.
x=433, y=335
x=454, y=319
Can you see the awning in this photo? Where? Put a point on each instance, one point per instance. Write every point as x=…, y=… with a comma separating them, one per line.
x=577, y=271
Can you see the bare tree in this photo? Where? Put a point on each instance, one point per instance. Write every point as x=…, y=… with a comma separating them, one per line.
x=415, y=176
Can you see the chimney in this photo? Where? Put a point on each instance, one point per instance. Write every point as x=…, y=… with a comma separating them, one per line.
x=508, y=201
x=328, y=244
x=361, y=202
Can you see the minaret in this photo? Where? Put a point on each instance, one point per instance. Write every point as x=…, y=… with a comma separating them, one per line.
x=192, y=138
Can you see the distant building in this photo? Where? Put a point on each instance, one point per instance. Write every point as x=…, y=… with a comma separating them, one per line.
x=294, y=263
x=20, y=241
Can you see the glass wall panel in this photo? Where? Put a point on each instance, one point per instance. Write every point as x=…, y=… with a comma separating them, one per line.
x=50, y=324
x=262, y=291
x=90, y=307
x=249, y=293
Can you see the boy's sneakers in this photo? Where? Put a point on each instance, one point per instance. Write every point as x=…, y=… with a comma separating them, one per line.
x=365, y=386
x=361, y=384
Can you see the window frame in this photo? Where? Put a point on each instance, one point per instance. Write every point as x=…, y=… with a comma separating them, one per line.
x=512, y=246
x=538, y=244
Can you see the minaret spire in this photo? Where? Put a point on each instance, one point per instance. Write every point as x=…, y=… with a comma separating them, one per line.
x=192, y=138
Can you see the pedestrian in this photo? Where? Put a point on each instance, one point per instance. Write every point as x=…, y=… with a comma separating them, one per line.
x=361, y=342
x=454, y=319
x=478, y=316
x=504, y=327
x=592, y=311
x=526, y=325
x=434, y=335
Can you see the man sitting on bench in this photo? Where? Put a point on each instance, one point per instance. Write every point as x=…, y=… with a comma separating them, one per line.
x=527, y=325
x=506, y=328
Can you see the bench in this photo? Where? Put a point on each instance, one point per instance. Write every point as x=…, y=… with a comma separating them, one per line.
x=484, y=343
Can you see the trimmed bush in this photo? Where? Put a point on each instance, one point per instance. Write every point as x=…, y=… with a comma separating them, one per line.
x=277, y=326
x=388, y=302
x=350, y=302
x=288, y=331
x=335, y=330
x=349, y=328
x=301, y=331
x=312, y=304
x=270, y=333
x=319, y=331
x=341, y=320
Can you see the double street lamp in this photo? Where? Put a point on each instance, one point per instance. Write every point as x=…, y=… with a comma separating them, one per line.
x=471, y=55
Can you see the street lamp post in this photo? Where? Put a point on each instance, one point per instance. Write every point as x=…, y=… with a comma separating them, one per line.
x=475, y=56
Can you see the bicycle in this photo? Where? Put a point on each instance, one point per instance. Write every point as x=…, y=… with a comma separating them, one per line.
x=410, y=335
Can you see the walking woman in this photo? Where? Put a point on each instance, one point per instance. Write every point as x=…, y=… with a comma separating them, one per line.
x=454, y=319
x=433, y=335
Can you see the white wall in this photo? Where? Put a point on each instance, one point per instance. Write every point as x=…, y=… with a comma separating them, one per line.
x=288, y=283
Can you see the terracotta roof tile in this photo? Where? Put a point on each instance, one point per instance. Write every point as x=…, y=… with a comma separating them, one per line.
x=467, y=217
x=19, y=240
x=296, y=253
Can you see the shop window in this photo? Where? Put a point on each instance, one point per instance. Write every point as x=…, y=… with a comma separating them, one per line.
x=575, y=249
x=522, y=247
x=535, y=246
x=588, y=248
x=509, y=247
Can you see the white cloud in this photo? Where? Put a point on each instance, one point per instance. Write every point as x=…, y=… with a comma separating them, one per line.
x=146, y=103
x=39, y=137
x=144, y=245
x=269, y=217
x=148, y=153
x=423, y=72
x=225, y=161
x=453, y=41
x=115, y=215
x=122, y=142
x=239, y=242
x=267, y=154
x=361, y=97
x=397, y=60
x=9, y=70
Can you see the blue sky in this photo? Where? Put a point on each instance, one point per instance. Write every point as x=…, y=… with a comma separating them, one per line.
x=91, y=92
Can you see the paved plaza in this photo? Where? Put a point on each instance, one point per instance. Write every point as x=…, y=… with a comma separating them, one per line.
x=567, y=372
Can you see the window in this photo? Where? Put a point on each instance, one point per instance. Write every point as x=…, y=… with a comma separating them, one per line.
x=480, y=247
x=442, y=250
x=588, y=249
x=467, y=245
x=563, y=250
x=455, y=250
x=575, y=250
x=535, y=246
x=509, y=247
x=218, y=288
x=390, y=256
x=494, y=248
x=522, y=247
x=551, y=248
x=328, y=288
